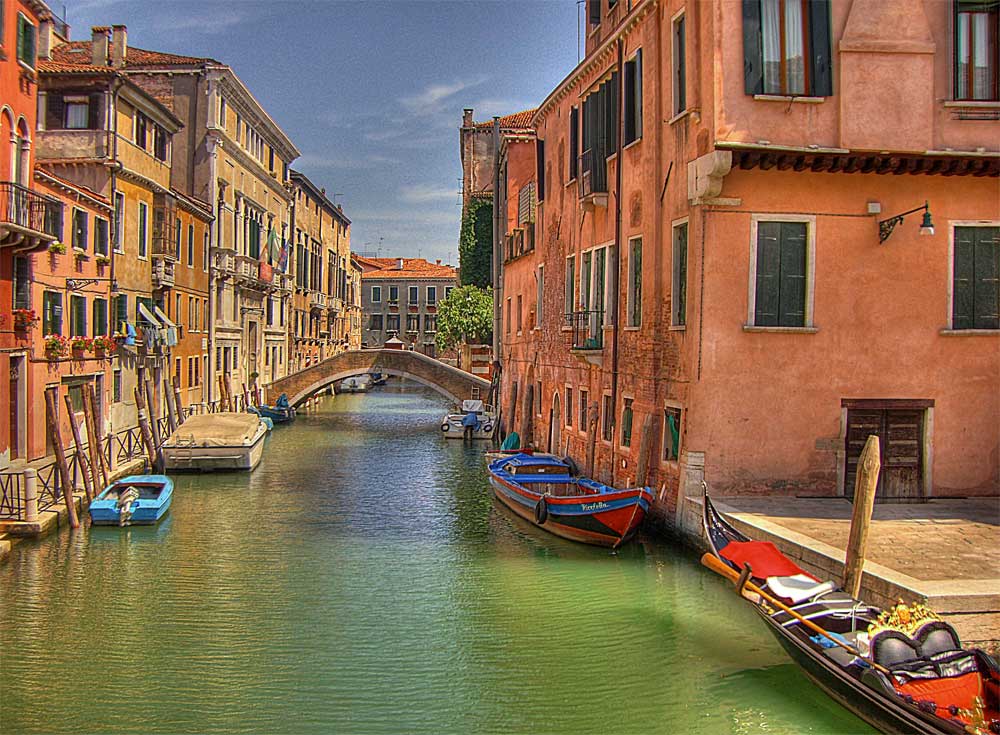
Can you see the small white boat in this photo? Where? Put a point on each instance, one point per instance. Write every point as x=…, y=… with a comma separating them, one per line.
x=475, y=415
x=356, y=384
x=216, y=441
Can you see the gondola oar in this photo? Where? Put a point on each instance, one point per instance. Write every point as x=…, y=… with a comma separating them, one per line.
x=720, y=567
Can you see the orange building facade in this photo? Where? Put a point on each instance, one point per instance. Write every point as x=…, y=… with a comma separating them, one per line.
x=716, y=272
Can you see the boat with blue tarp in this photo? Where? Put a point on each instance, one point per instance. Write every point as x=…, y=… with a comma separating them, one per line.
x=280, y=413
x=543, y=489
x=133, y=500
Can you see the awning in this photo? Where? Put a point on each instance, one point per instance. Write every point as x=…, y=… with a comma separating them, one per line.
x=163, y=317
x=147, y=314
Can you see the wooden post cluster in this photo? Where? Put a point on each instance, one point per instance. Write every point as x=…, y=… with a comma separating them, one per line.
x=144, y=430
x=55, y=435
x=95, y=429
x=864, y=502
x=90, y=478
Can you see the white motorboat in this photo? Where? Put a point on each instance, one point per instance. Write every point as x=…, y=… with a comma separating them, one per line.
x=216, y=441
x=355, y=384
x=475, y=415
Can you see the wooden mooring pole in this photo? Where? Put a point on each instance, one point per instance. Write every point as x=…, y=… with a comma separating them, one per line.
x=154, y=423
x=178, y=404
x=864, y=502
x=168, y=397
x=52, y=414
x=90, y=477
x=144, y=432
x=95, y=429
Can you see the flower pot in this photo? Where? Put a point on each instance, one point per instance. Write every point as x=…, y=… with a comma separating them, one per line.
x=79, y=354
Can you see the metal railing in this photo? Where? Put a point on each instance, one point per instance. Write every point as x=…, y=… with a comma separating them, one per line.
x=587, y=329
x=26, y=208
x=591, y=179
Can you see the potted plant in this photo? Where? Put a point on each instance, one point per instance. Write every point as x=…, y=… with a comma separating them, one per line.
x=80, y=345
x=102, y=259
x=24, y=319
x=55, y=346
x=57, y=248
x=80, y=254
x=103, y=345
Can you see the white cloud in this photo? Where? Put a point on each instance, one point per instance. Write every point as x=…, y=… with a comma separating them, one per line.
x=347, y=161
x=425, y=193
x=428, y=101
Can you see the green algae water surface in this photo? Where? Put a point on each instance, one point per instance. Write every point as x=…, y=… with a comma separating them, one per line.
x=362, y=580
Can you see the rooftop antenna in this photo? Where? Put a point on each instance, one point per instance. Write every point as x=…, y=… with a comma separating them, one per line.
x=338, y=194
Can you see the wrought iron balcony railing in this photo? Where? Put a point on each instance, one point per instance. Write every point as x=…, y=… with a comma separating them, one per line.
x=587, y=329
x=30, y=210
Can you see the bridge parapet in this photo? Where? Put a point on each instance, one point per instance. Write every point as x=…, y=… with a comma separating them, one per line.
x=449, y=381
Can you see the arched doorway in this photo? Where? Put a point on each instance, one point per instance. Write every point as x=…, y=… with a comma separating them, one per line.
x=555, y=425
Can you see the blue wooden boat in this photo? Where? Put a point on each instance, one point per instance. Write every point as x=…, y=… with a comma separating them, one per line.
x=133, y=500
x=543, y=489
x=279, y=413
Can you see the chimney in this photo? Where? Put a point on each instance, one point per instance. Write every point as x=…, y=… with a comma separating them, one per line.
x=437, y=262
x=399, y=264
x=46, y=39
x=467, y=117
x=99, y=45
x=119, y=46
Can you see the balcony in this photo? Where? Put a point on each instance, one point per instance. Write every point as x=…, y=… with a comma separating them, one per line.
x=587, y=330
x=592, y=182
x=336, y=304
x=519, y=241
x=223, y=262
x=27, y=218
x=251, y=273
x=70, y=144
x=163, y=272
x=317, y=300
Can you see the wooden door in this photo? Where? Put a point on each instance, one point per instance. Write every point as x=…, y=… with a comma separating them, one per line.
x=900, y=433
x=15, y=407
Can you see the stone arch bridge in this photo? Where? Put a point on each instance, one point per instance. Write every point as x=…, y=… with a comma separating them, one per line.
x=449, y=381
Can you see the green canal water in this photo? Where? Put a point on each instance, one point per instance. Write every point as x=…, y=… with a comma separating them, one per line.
x=363, y=580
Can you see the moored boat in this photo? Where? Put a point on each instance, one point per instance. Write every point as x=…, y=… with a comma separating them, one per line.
x=216, y=441
x=902, y=670
x=355, y=384
x=279, y=413
x=542, y=489
x=133, y=500
x=475, y=416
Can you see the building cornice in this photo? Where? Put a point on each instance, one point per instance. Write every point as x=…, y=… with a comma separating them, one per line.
x=234, y=150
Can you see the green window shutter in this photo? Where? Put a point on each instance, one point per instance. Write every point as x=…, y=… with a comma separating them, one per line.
x=100, y=317
x=963, y=278
x=121, y=312
x=51, y=313
x=768, y=274
x=792, y=282
x=821, y=58
x=987, y=278
x=753, y=56
x=78, y=316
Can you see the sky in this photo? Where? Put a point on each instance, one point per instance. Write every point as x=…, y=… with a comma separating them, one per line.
x=370, y=91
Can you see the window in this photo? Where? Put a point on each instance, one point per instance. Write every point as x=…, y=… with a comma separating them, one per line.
x=51, y=313
x=76, y=113
x=79, y=229
x=977, y=49
x=627, y=422
x=538, y=398
x=99, y=317
x=671, y=433
x=393, y=294
x=607, y=419
x=430, y=323
x=574, y=141
x=680, y=66
x=143, y=228
x=633, y=99
x=583, y=410
x=392, y=323
x=222, y=112
x=119, y=222
x=177, y=239
x=100, y=236
x=432, y=296
x=539, y=296
x=75, y=393
x=376, y=294
x=414, y=292
x=26, y=33
x=594, y=12
x=413, y=323
x=976, y=278
x=786, y=47
x=139, y=318
x=508, y=315
x=633, y=301
x=116, y=386
x=77, y=316
x=448, y=290
x=519, y=315
x=190, y=260
x=141, y=125
x=376, y=323
x=569, y=406
x=569, y=296
x=22, y=282
x=599, y=126
x=161, y=141
x=540, y=161
x=780, y=289
x=678, y=281
x=585, y=275
x=120, y=305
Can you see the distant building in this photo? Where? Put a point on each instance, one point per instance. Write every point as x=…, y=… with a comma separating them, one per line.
x=399, y=298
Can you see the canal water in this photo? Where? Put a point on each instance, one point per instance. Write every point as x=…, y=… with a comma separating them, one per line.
x=362, y=580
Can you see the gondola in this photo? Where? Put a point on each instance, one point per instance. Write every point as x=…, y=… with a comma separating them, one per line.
x=901, y=670
x=542, y=488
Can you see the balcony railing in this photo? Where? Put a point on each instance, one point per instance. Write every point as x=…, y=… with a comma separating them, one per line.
x=224, y=261
x=592, y=181
x=29, y=210
x=587, y=328
x=163, y=272
x=317, y=300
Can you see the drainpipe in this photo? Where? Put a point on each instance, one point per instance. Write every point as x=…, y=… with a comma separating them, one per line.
x=618, y=254
x=497, y=235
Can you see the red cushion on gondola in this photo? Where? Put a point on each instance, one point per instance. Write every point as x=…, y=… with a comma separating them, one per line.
x=763, y=557
x=960, y=691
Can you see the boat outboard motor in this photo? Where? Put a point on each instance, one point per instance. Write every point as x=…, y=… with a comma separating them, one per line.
x=126, y=499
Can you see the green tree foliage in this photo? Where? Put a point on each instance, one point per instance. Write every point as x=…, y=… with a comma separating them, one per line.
x=475, y=248
x=465, y=316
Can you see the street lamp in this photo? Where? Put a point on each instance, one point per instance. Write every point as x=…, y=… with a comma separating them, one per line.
x=886, y=226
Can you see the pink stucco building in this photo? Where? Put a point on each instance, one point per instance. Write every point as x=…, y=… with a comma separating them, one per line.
x=726, y=279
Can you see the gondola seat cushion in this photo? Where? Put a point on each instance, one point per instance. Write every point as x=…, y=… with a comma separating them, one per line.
x=944, y=692
x=764, y=558
x=799, y=587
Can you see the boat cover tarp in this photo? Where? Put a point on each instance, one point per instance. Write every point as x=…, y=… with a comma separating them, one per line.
x=216, y=430
x=763, y=557
x=513, y=441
